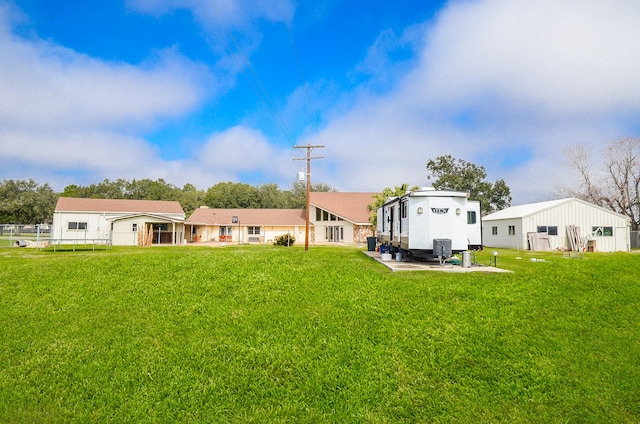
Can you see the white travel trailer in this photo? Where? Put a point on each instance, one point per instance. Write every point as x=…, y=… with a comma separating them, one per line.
x=430, y=223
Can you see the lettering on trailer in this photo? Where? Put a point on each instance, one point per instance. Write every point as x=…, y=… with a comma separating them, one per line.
x=440, y=211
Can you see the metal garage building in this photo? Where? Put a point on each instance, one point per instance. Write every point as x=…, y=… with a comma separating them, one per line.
x=518, y=227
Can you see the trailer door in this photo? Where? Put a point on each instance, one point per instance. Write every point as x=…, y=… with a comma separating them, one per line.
x=391, y=219
x=474, y=225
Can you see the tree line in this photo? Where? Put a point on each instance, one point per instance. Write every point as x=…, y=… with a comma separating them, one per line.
x=609, y=178
x=29, y=202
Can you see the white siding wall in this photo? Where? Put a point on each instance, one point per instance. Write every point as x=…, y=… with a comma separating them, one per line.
x=97, y=226
x=123, y=234
x=344, y=228
x=320, y=229
x=503, y=239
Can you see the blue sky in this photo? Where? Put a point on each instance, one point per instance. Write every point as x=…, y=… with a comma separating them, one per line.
x=180, y=89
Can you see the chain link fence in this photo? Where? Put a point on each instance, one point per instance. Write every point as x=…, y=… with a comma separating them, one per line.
x=635, y=239
x=18, y=235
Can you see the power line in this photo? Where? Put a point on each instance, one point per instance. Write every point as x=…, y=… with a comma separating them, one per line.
x=255, y=83
x=304, y=82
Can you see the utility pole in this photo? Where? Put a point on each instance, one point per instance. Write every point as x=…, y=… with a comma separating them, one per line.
x=309, y=148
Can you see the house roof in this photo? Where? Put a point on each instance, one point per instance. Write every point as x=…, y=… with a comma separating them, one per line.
x=78, y=204
x=156, y=217
x=523, y=211
x=257, y=217
x=347, y=205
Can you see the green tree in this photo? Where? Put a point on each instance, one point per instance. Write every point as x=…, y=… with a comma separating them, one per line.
x=191, y=198
x=146, y=189
x=26, y=202
x=380, y=198
x=232, y=195
x=448, y=173
x=298, y=193
x=104, y=190
x=271, y=197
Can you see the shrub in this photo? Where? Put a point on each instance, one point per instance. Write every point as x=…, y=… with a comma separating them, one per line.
x=284, y=240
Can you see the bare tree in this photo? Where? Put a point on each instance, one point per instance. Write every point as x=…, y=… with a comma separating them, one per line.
x=616, y=185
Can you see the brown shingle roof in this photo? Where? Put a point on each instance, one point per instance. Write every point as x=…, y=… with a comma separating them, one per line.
x=275, y=217
x=349, y=206
x=77, y=204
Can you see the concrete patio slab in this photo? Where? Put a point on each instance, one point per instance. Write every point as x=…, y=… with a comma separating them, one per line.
x=406, y=265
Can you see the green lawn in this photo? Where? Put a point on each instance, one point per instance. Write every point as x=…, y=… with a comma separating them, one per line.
x=267, y=334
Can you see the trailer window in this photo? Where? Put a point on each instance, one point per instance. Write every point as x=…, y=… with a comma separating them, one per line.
x=512, y=230
x=494, y=230
x=403, y=209
x=471, y=217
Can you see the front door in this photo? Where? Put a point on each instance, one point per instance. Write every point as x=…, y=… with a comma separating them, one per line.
x=335, y=233
x=225, y=234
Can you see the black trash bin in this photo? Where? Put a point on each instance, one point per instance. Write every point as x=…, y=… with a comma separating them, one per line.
x=371, y=244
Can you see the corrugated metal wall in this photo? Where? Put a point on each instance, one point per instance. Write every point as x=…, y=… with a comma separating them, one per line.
x=572, y=212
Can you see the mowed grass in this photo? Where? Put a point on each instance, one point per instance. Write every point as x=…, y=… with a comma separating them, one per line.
x=267, y=334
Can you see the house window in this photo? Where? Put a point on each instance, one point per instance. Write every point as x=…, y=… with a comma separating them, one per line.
x=494, y=230
x=77, y=226
x=318, y=214
x=325, y=215
x=512, y=230
x=161, y=227
x=602, y=231
x=471, y=217
x=134, y=227
x=550, y=230
x=254, y=230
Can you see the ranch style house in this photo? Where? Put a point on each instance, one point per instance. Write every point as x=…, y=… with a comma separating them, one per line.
x=334, y=217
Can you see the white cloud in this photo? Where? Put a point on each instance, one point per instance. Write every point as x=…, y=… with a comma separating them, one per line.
x=65, y=112
x=234, y=12
x=497, y=82
x=242, y=149
x=565, y=57
x=42, y=84
x=501, y=84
